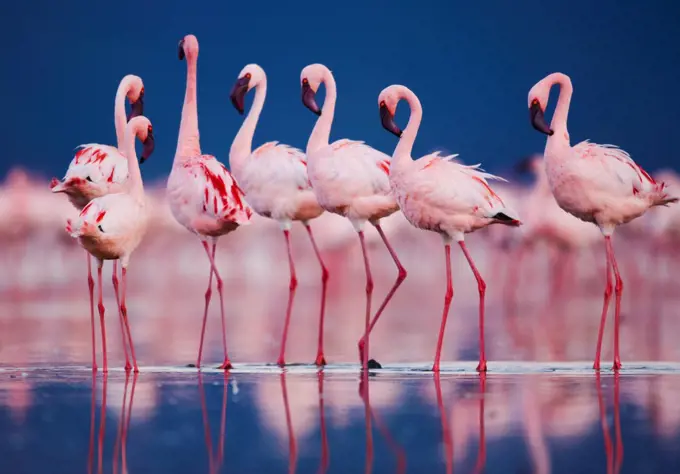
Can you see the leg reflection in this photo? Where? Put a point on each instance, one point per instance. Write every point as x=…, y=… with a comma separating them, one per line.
x=292, y=445
x=102, y=426
x=617, y=425
x=605, y=426
x=481, y=456
x=90, y=454
x=446, y=432
x=121, y=424
x=206, y=423
x=325, y=461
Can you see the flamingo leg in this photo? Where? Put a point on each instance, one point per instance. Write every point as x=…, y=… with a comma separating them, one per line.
x=400, y=279
x=605, y=307
x=320, y=359
x=100, y=307
x=291, y=296
x=447, y=304
x=226, y=365
x=114, y=279
x=90, y=287
x=481, y=286
x=123, y=310
x=208, y=295
x=618, y=289
x=369, y=296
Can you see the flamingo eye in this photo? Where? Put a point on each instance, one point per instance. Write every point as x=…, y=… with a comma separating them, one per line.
x=382, y=103
x=101, y=229
x=248, y=75
x=535, y=102
x=305, y=81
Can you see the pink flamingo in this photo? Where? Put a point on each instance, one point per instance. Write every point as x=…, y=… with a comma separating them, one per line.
x=202, y=194
x=112, y=226
x=97, y=170
x=274, y=180
x=438, y=194
x=596, y=183
x=351, y=179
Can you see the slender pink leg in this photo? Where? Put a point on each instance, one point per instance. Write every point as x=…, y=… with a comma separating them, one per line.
x=100, y=306
x=608, y=450
x=320, y=359
x=226, y=365
x=291, y=296
x=369, y=296
x=208, y=294
x=400, y=279
x=120, y=315
x=123, y=310
x=324, y=436
x=292, y=445
x=481, y=286
x=618, y=289
x=90, y=287
x=447, y=304
x=446, y=433
x=605, y=307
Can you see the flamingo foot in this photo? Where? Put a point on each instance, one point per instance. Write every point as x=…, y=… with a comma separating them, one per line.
x=128, y=367
x=481, y=367
x=435, y=367
x=617, y=364
x=136, y=368
x=281, y=362
x=94, y=368
x=374, y=364
x=320, y=360
x=226, y=365
x=596, y=365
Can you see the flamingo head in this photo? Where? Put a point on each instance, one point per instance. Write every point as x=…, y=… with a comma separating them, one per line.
x=538, y=101
x=311, y=78
x=188, y=48
x=249, y=77
x=532, y=163
x=135, y=95
x=387, y=101
x=141, y=126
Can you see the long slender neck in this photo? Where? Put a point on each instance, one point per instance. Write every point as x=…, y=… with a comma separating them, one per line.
x=135, y=185
x=188, y=142
x=559, y=120
x=322, y=129
x=242, y=146
x=119, y=117
x=402, y=152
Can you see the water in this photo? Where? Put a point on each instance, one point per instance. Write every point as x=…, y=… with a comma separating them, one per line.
x=521, y=418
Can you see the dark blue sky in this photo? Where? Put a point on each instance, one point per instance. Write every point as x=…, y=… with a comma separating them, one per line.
x=471, y=66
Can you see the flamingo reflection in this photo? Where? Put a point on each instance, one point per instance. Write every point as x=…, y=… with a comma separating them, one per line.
x=292, y=445
x=214, y=461
x=371, y=415
x=613, y=452
x=325, y=461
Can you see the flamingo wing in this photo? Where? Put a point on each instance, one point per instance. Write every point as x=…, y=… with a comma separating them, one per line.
x=368, y=165
x=222, y=197
x=276, y=163
x=615, y=166
x=98, y=164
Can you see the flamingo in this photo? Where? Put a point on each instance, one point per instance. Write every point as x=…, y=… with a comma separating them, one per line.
x=443, y=196
x=202, y=194
x=351, y=179
x=600, y=184
x=112, y=226
x=97, y=170
x=274, y=180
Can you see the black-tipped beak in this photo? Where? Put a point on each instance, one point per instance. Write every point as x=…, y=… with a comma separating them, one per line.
x=137, y=108
x=538, y=120
x=180, y=50
x=309, y=99
x=149, y=145
x=387, y=120
x=238, y=93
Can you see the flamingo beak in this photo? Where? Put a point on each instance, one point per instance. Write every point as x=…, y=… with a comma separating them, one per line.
x=309, y=99
x=137, y=107
x=387, y=120
x=180, y=50
x=538, y=120
x=149, y=145
x=57, y=186
x=238, y=93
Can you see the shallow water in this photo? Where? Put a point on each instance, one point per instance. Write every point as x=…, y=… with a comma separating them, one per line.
x=519, y=418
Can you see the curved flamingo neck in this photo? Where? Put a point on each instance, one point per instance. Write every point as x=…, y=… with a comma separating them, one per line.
x=322, y=129
x=408, y=137
x=188, y=144
x=242, y=146
x=559, y=120
x=119, y=117
x=135, y=185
